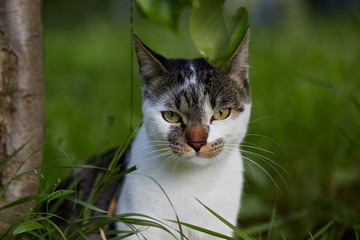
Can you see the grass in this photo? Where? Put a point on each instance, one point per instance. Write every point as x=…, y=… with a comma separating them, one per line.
x=306, y=107
x=44, y=221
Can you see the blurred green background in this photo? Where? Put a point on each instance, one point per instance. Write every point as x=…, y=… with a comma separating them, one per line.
x=305, y=79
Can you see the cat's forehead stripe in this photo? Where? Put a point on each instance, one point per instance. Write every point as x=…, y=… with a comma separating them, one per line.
x=193, y=76
x=190, y=76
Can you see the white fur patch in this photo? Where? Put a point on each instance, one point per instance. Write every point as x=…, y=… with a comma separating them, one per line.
x=192, y=80
x=193, y=76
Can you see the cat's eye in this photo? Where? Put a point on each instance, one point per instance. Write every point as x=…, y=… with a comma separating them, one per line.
x=222, y=114
x=171, y=117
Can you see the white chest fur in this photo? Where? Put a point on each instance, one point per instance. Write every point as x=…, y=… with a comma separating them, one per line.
x=217, y=185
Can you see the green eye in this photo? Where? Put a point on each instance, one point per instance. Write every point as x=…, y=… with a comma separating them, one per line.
x=222, y=114
x=171, y=117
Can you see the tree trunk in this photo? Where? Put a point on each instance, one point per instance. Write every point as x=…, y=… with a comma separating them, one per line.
x=21, y=94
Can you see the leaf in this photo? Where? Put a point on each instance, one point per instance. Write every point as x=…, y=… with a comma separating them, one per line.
x=164, y=13
x=215, y=35
x=27, y=226
x=240, y=24
x=208, y=28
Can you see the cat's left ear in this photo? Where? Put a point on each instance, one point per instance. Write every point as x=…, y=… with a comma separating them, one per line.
x=238, y=65
x=151, y=64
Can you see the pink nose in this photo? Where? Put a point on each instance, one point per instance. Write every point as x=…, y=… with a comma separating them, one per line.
x=196, y=145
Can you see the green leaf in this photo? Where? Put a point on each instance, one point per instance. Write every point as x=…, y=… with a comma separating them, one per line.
x=27, y=226
x=240, y=24
x=215, y=35
x=164, y=13
x=208, y=28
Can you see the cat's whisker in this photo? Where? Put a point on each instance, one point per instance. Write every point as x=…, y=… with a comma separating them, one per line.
x=251, y=144
x=257, y=155
x=151, y=147
x=220, y=157
x=159, y=155
x=259, y=119
x=266, y=172
x=269, y=161
x=270, y=139
x=257, y=148
x=175, y=165
x=155, y=147
x=159, y=141
x=252, y=169
x=261, y=157
x=230, y=148
x=155, y=153
x=147, y=145
x=167, y=161
x=175, y=158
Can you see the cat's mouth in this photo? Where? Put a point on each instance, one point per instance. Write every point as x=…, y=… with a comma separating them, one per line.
x=203, y=150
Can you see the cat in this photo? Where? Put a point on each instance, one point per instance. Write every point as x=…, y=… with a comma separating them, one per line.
x=186, y=151
x=194, y=117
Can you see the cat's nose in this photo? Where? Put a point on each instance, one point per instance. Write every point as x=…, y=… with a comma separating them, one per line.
x=196, y=136
x=196, y=145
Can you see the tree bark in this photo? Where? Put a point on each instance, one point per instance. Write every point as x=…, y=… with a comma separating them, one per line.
x=21, y=94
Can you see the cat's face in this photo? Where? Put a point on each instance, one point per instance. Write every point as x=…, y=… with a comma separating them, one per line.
x=193, y=112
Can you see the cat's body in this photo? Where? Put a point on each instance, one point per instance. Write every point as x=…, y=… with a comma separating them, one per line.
x=218, y=187
x=195, y=117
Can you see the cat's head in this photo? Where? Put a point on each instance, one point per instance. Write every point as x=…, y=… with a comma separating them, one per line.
x=194, y=112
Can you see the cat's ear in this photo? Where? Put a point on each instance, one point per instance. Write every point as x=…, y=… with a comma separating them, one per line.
x=151, y=64
x=238, y=65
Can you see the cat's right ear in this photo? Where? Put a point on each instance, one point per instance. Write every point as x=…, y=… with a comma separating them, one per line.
x=151, y=64
x=238, y=64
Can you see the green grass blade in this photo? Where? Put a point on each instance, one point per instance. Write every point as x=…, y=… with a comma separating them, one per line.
x=311, y=236
x=272, y=222
x=322, y=230
x=236, y=230
x=3, y=164
x=172, y=206
x=58, y=229
x=264, y=227
x=59, y=194
x=204, y=230
x=75, y=166
x=23, y=200
x=143, y=220
x=123, y=148
x=85, y=204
